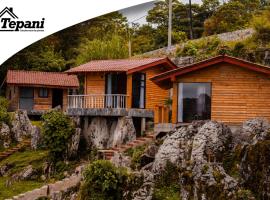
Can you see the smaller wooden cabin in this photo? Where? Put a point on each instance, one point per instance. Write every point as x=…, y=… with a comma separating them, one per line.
x=222, y=88
x=124, y=84
x=39, y=91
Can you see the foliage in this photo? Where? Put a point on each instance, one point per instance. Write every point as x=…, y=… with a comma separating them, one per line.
x=261, y=24
x=167, y=184
x=4, y=115
x=98, y=49
x=20, y=160
x=102, y=180
x=135, y=154
x=17, y=187
x=230, y=16
x=57, y=130
x=244, y=195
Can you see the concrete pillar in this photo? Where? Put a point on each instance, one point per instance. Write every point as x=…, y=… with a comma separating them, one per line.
x=86, y=123
x=143, y=125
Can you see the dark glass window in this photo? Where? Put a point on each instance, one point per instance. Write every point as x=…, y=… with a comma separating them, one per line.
x=43, y=93
x=194, y=101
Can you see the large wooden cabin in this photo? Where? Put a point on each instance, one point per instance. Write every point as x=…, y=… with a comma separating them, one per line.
x=123, y=84
x=39, y=91
x=222, y=88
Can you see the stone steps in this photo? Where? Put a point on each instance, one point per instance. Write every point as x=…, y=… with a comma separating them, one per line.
x=109, y=153
x=15, y=149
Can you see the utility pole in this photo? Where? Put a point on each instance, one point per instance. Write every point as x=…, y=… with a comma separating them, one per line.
x=170, y=26
x=129, y=43
x=190, y=20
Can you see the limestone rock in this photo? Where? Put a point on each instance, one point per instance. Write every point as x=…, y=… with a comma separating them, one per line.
x=103, y=133
x=25, y=174
x=175, y=147
x=149, y=155
x=21, y=125
x=5, y=135
x=35, y=137
x=97, y=134
x=120, y=160
x=211, y=142
x=124, y=131
x=145, y=192
x=74, y=143
x=257, y=128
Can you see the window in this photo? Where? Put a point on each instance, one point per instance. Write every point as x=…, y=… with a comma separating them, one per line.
x=194, y=101
x=43, y=93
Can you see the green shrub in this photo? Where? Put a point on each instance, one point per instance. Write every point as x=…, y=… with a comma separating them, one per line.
x=244, y=195
x=167, y=183
x=4, y=115
x=135, y=154
x=102, y=180
x=190, y=49
x=57, y=129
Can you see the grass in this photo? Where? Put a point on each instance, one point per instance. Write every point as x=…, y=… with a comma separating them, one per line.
x=19, y=161
x=37, y=123
x=16, y=187
x=22, y=159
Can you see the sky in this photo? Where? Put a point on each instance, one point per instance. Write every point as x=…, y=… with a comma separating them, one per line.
x=137, y=13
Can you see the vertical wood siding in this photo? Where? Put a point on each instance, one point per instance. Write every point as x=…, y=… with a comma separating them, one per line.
x=94, y=83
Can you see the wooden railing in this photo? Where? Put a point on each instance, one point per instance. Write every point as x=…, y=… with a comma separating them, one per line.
x=97, y=101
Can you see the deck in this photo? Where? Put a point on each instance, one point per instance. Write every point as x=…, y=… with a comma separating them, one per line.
x=104, y=105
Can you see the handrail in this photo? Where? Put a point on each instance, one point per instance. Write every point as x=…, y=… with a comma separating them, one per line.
x=98, y=101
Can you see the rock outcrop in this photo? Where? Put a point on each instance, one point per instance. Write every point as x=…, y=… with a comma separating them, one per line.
x=5, y=135
x=124, y=131
x=103, y=133
x=74, y=143
x=21, y=126
x=35, y=137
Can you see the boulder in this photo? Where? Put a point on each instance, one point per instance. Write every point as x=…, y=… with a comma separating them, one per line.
x=74, y=143
x=145, y=192
x=256, y=128
x=97, y=133
x=149, y=155
x=4, y=169
x=21, y=126
x=198, y=151
x=25, y=174
x=120, y=160
x=5, y=135
x=102, y=133
x=124, y=131
x=35, y=137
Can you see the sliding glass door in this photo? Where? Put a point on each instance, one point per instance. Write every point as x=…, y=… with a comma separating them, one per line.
x=194, y=101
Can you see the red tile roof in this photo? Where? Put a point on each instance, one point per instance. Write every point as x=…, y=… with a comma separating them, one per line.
x=121, y=65
x=163, y=79
x=37, y=78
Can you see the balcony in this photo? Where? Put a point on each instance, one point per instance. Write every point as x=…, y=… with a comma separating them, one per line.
x=98, y=101
x=104, y=105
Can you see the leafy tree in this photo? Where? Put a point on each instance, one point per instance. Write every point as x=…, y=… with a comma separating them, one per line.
x=102, y=180
x=57, y=129
x=180, y=21
x=230, y=16
x=4, y=115
x=261, y=24
x=98, y=49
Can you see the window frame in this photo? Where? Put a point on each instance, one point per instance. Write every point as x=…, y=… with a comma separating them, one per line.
x=42, y=93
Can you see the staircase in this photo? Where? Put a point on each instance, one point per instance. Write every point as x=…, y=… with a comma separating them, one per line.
x=107, y=154
x=13, y=150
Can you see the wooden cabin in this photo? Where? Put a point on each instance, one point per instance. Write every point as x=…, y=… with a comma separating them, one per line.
x=222, y=88
x=39, y=91
x=123, y=83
